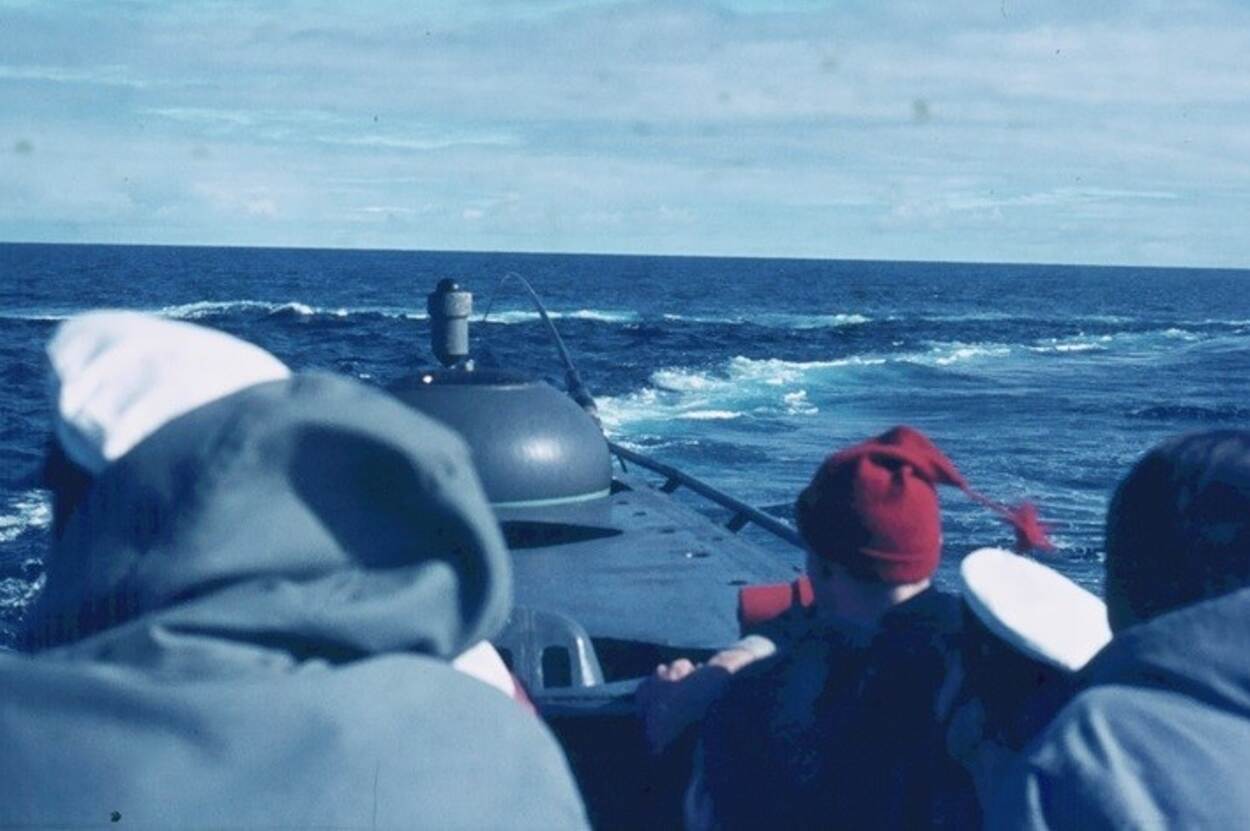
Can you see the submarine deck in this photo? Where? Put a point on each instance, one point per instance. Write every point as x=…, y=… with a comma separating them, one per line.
x=638, y=565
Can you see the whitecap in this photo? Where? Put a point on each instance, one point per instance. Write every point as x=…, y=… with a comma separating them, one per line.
x=16, y=593
x=728, y=321
x=797, y=404
x=954, y=352
x=778, y=372
x=616, y=411
x=211, y=308
x=27, y=511
x=683, y=380
x=301, y=309
x=511, y=316
x=828, y=321
x=1078, y=343
x=709, y=415
x=741, y=388
x=201, y=309
x=777, y=321
x=601, y=316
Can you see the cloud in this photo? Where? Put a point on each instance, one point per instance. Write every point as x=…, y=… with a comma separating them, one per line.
x=963, y=131
x=118, y=76
x=430, y=142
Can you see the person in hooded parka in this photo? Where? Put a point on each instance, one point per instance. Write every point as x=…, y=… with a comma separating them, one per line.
x=1159, y=735
x=256, y=582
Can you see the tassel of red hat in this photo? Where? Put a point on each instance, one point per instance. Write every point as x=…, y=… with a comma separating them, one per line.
x=1030, y=532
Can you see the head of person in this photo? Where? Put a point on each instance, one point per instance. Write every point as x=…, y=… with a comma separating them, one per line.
x=116, y=377
x=194, y=465
x=871, y=520
x=1178, y=529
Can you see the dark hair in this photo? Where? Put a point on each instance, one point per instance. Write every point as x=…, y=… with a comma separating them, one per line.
x=1178, y=529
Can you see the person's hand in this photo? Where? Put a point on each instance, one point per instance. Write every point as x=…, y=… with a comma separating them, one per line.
x=679, y=694
x=676, y=671
x=676, y=696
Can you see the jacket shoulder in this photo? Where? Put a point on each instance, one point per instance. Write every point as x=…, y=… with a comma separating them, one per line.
x=1119, y=757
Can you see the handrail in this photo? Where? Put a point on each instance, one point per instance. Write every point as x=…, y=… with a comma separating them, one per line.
x=742, y=512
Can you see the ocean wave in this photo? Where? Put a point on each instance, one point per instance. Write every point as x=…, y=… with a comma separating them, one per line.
x=512, y=316
x=797, y=404
x=955, y=352
x=37, y=315
x=211, y=308
x=1076, y=343
x=202, y=309
x=740, y=371
x=1179, y=334
x=741, y=388
x=1235, y=323
x=207, y=309
x=27, y=511
x=710, y=415
x=766, y=387
x=776, y=320
x=16, y=593
x=1008, y=317
x=1192, y=412
x=830, y=321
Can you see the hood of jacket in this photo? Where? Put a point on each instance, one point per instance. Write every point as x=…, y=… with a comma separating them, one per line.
x=1198, y=651
x=315, y=512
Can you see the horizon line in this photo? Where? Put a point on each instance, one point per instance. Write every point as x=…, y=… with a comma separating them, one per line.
x=623, y=254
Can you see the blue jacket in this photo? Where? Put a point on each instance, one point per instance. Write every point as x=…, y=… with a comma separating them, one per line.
x=1159, y=737
x=247, y=625
x=840, y=729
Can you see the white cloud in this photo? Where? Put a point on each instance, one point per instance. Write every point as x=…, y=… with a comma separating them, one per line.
x=118, y=76
x=645, y=126
x=431, y=142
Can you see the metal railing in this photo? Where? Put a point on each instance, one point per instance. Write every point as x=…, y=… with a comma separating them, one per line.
x=742, y=513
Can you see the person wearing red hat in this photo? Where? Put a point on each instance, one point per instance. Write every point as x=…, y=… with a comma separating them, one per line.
x=831, y=721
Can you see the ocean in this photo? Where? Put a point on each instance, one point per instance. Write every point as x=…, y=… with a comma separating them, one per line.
x=1041, y=382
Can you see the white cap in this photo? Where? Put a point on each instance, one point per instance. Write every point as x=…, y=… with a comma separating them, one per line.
x=116, y=377
x=1033, y=608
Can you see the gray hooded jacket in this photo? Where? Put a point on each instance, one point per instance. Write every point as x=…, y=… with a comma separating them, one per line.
x=1159, y=738
x=247, y=622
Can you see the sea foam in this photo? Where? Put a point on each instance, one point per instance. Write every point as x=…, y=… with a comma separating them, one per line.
x=26, y=511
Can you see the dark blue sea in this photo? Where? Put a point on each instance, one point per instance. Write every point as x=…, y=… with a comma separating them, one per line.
x=1041, y=382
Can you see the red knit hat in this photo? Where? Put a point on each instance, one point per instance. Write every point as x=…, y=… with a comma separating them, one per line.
x=873, y=508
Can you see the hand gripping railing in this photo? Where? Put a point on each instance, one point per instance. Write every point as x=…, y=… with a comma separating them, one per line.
x=742, y=513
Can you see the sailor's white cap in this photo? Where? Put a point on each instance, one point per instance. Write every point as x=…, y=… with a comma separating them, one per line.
x=1033, y=608
x=116, y=377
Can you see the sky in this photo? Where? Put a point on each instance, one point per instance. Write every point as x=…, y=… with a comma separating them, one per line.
x=999, y=130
